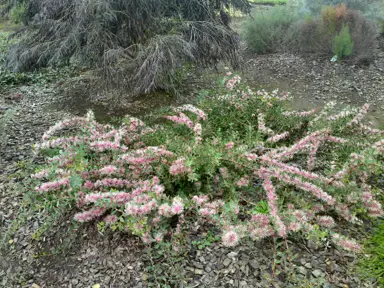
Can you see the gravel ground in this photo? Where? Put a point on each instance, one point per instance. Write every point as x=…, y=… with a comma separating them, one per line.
x=116, y=260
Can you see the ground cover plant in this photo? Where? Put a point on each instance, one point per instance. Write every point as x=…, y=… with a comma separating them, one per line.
x=372, y=265
x=239, y=161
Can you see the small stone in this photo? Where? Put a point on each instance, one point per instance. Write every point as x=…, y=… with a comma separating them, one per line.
x=145, y=277
x=208, y=269
x=226, y=262
x=308, y=265
x=34, y=285
x=199, y=272
x=232, y=254
x=254, y=264
x=75, y=281
x=302, y=270
x=317, y=273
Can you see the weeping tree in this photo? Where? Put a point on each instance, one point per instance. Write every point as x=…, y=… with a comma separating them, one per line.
x=136, y=43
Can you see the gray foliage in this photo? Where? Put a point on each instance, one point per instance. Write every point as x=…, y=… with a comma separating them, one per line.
x=140, y=42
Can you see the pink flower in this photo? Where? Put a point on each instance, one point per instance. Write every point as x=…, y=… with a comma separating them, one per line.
x=89, y=215
x=40, y=175
x=179, y=167
x=181, y=119
x=177, y=206
x=271, y=195
x=200, y=199
x=347, y=244
x=229, y=145
x=230, y=238
x=278, y=137
x=300, y=114
x=53, y=186
x=165, y=210
x=243, y=181
x=224, y=172
x=198, y=112
x=108, y=170
x=326, y=221
x=197, y=129
x=261, y=125
x=110, y=219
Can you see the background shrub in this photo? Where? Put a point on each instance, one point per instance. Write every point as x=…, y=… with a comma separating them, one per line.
x=343, y=44
x=278, y=30
x=368, y=7
x=265, y=31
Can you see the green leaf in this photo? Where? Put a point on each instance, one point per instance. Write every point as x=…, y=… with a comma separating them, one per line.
x=76, y=181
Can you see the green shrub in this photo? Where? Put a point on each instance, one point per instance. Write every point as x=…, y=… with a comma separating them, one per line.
x=18, y=13
x=372, y=265
x=186, y=166
x=265, y=30
x=343, y=44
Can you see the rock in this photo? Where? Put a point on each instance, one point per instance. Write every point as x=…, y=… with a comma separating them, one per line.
x=226, y=262
x=302, y=270
x=199, y=272
x=317, y=273
x=232, y=254
x=308, y=265
x=254, y=264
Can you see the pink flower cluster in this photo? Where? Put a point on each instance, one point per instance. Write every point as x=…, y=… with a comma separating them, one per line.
x=108, y=170
x=272, y=197
x=181, y=119
x=232, y=82
x=198, y=112
x=135, y=124
x=243, y=181
x=278, y=137
x=230, y=238
x=119, y=198
x=75, y=121
x=360, y=115
x=89, y=215
x=144, y=156
x=53, y=186
x=300, y=113
x=101, y=146
x=326, y=221
x=261, y=126
x=374, y=207
x=40, y=175
x=347, y=244
x=176, y=208
x=260, y=227
x=179, y=167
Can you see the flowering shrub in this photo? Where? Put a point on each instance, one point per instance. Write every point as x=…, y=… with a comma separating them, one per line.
x=215, y=164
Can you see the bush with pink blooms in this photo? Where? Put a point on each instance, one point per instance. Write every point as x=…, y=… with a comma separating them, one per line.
x=214, y=163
